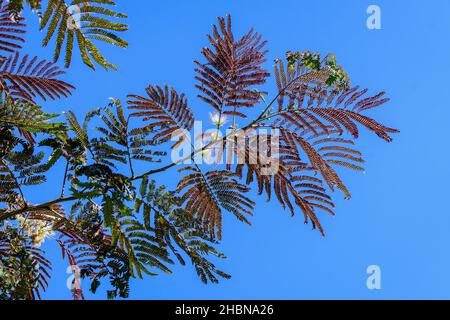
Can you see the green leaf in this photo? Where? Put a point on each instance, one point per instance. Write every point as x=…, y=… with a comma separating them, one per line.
x=89, y=22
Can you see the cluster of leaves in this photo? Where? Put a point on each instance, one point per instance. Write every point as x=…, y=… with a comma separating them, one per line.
x=23, y=268
x=119, y=227
x=75, y=22
x=338, y=79
x=317, y=118
x=82, y=23
x=15, y=7
x=119, y=224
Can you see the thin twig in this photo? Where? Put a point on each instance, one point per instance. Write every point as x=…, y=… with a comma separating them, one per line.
x=63, y=188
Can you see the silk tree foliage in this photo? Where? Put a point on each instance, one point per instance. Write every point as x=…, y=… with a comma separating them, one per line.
x=15, y=7
x=114, y=223
x=76, y=23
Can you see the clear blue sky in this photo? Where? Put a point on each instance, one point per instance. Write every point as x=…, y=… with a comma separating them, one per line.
x=398, y=217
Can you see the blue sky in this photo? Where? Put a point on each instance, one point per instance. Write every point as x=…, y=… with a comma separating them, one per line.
x=398, y=217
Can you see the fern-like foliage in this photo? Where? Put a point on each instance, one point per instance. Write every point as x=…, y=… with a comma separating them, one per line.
x=167, y=111
x=317, y=117
x=178, y=230
x=28, y=78
x=232, y=69
x=27, y=116
x=14, y=8
x=11, y=29
x=24, y=269
x=19, y=163
x=9, y=185
x=206, y=194
x=118, y=143
x=111, y=218
x=82, y=23
x=25, y=78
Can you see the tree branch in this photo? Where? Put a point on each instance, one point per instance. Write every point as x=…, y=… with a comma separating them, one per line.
x=11, y=214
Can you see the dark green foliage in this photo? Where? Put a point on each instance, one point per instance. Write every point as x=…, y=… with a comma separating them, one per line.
x=82, y=23
x=113, y=230
x=69, y=24
x=177, y=229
